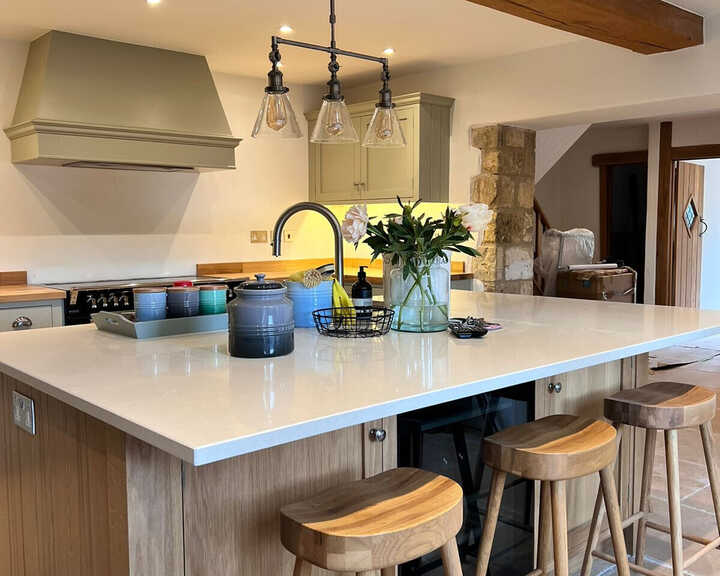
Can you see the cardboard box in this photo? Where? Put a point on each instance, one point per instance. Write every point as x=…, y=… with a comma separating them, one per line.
x=617, y=285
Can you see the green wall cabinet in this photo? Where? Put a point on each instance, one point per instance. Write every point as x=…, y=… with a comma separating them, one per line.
x=350, y=173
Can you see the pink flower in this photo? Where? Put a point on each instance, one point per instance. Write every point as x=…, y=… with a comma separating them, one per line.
x=354, y=225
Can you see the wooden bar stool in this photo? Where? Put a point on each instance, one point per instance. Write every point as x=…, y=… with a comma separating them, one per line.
x=553, y=449
x=665, y=406
x=376, y=523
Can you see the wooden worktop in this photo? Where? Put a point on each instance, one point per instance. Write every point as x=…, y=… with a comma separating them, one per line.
x=281, y=269
x=14, y=288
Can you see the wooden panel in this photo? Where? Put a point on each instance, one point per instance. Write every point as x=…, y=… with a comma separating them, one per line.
x=645, y=26
x=13, y=278
x=62, y=492
x=615, y=158
x=24, y=293
x=664, y=285
x=290, y=266
x=232, y=519
x=690, y=184
x=700, y=152
x=155, y=511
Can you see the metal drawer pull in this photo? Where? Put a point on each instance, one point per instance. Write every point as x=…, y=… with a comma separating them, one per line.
x=377, y=434
x=554, y=387
x=22, y=322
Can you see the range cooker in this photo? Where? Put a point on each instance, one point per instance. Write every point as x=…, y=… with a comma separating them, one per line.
x=85, y=298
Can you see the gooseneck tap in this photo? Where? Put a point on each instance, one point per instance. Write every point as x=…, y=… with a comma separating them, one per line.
x=329, y=216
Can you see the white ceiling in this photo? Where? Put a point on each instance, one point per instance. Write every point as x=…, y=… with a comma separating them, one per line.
x=234, y=34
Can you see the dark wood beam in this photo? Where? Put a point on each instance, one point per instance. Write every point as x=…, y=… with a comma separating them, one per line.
x=665, y=250
x=645, y=26
x=615, y=158
x=699, y=152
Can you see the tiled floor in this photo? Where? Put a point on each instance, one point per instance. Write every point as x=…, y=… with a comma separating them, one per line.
x=696, y=501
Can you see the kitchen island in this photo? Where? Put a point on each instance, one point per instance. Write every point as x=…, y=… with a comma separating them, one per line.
x=169, y=457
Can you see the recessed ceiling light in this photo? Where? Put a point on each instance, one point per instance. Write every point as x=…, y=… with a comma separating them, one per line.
x=285, y=29
x=389, y=51
x=153, y=2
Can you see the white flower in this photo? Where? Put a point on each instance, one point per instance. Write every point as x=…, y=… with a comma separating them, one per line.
x=354, y=226
x=476, y=217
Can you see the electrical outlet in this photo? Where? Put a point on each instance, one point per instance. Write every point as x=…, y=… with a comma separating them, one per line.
x=258, y=236
x=24, y=412
x=289, y=236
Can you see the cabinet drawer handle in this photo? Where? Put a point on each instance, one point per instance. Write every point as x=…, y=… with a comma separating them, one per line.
x=555, y=387
x=21, y=322
x=377, y=434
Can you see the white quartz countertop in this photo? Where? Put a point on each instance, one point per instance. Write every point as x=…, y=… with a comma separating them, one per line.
x=187, y=396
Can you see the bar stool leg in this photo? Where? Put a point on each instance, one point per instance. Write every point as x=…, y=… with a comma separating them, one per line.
x=709, y=449
x=544, y=539
x=673, y=480
x=450, y=559
x=648, y=464
x=612, y=507
x=594, y=534
x=302, y=567
x=559, y=521
x=497, y=485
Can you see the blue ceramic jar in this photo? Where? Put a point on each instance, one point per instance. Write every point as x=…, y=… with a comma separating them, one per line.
x=150, y=304
x=183, y=301
x=213, y=299
x=260, y=320
x=305, y=300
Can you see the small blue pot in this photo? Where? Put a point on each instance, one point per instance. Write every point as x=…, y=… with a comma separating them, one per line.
x=150, y=304
x=183, y=301
x=305, y=300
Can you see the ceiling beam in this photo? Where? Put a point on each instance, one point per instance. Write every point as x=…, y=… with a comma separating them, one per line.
x=645, y=26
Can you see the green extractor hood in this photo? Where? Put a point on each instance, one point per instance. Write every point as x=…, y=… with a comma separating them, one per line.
x=97, y=103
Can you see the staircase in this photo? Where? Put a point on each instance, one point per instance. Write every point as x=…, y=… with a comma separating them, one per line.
x=541, y=224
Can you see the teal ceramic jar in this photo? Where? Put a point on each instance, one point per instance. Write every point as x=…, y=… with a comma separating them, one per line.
x=213, y=299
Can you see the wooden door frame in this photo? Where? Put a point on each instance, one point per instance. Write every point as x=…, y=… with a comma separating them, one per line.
x=605, y=163
x=668, y=208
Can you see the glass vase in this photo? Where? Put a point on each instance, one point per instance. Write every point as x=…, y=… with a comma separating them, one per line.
x=421, y=300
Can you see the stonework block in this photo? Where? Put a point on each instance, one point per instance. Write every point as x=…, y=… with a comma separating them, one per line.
x=526, y=192
x=510, y=227
x=486, y=137
x=518, y=263
x=513, y=137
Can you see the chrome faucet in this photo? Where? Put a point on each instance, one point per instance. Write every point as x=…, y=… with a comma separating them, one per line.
x=329, y=216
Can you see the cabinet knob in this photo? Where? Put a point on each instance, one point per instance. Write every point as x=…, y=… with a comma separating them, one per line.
x=555, y=387
x=377, y=434
x=22, y=322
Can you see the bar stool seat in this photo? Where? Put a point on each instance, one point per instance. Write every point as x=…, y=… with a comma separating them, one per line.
x=558, y=447
x=662, y=406
x=665, y=406
x=379, y=522
x=553, y=449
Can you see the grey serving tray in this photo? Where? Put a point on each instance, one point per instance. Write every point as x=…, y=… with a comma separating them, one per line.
x=123, y=323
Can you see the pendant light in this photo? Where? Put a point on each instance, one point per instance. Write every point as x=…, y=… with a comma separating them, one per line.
x=334, y=124
x=276, y=116
x=384, y=130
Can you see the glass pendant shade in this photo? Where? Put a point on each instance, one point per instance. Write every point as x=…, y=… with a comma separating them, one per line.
x=333, y=124
x=276, y=117
x=384, y=130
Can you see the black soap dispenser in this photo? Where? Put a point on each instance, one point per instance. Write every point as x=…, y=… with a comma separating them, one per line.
x=362, y=295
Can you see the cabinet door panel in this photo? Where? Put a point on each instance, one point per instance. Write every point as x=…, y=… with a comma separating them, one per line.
x=337, y=169
x=391, y=171
x=582, y=393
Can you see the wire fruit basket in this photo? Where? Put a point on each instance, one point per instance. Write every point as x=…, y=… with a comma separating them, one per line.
x=353, y=322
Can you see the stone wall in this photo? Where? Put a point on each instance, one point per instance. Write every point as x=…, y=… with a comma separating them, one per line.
x=507, y=185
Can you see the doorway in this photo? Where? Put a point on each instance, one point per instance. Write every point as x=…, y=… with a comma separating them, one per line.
x=623, y=211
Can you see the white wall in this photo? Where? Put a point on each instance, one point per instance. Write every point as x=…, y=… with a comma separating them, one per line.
x=569, y=193
x=70, y=224
x=710, y=271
